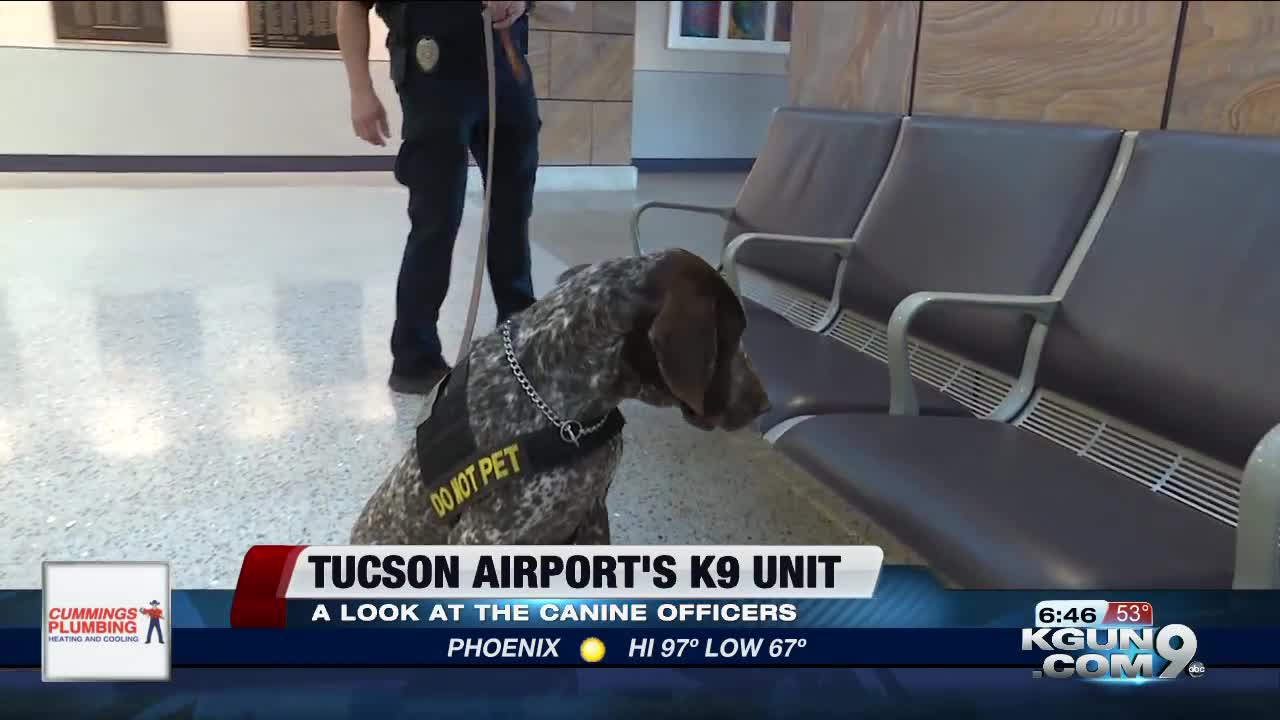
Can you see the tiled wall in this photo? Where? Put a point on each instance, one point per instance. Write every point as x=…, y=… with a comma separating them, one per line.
x=1210, y=66
x=583, y=72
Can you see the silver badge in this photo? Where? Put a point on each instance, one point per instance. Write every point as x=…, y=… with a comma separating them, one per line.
x=428, y=54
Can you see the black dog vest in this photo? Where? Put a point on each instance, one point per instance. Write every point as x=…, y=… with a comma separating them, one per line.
x=458, y=472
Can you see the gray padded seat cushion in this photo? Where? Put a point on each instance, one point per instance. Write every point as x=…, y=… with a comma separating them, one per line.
x=994, y=507
x=977, y=206
x=815, y=176
x=758, y=314
x=806, y=267
x=1173, y=321
x=806, y=374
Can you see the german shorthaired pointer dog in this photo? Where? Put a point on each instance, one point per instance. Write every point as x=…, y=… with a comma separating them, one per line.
x=664, y=329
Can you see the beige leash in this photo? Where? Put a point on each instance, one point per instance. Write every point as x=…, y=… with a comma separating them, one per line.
x=482, y=247
x=477, y=281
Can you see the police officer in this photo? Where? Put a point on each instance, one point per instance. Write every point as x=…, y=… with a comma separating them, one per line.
x=438, y=65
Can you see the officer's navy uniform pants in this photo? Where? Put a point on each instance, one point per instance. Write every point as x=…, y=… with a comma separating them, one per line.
x=445, y=119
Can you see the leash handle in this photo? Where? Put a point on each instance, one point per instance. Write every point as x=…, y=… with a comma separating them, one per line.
x=513, y=55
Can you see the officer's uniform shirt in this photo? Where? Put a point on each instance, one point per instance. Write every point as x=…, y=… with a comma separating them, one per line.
x=455, y=27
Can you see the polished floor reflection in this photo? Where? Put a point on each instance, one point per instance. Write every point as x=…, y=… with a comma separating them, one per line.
x=189, y=367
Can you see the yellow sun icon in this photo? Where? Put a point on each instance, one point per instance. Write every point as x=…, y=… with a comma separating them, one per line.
x=592, y=650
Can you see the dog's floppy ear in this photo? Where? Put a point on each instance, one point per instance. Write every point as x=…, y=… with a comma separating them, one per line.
x=696, y=320
x=684, y=336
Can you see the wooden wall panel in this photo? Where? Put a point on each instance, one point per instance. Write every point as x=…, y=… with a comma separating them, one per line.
x=578, y=21
x=1105, y=63
x=853, y=55
x=566, y=133
x=613, y=16
x=611, y=133
x=583, y=71
x=1228, y=77
x=540, y=61
x=587, y=66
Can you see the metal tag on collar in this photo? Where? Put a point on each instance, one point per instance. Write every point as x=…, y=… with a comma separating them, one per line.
x=427, y=53
x=571, y=432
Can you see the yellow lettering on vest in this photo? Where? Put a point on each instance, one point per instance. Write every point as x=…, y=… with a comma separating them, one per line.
x=461, y=488
x=437, y=504
x=446, y=498
x=512, y=452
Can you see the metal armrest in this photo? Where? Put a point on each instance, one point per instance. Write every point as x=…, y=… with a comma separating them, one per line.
x=1258, y=531
x=902, y=391
x=722, y=212
x=729, y=257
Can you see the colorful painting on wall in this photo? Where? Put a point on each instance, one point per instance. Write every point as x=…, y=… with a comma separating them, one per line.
x=747, y=20
x=700, y=19
x=738, y=26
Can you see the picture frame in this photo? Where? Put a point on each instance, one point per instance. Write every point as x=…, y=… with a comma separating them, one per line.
x=139, y=22
x=305, y=27
x=761, y=26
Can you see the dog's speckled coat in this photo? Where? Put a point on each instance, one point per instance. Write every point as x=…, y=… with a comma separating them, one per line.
x=570, y=344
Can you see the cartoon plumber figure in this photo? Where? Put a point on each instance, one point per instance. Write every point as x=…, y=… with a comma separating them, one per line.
x=155, y=613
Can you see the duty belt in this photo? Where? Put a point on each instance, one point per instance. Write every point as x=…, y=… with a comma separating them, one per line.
x=457, y=472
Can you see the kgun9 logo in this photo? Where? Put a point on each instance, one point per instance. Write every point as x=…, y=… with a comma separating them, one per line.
x=1115, y=653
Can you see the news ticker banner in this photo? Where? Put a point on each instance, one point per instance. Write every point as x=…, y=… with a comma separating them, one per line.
x=657, y=606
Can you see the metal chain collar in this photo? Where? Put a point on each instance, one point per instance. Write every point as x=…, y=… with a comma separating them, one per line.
x=571, y=431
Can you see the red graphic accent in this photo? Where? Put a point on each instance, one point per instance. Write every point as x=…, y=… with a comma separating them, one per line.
x=259, y=600
x=1133, y=612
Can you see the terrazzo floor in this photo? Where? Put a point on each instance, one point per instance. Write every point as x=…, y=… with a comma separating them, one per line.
x=191, y=366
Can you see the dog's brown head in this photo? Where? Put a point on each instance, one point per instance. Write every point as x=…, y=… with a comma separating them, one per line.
x=686, y=346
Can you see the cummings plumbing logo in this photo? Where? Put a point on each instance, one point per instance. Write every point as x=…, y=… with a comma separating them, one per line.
x=106, y=621
x=92, y=624
x=105, y=624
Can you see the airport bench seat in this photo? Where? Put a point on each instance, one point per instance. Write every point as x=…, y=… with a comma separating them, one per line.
x=1121, y=294
x=814, y=176
x=1149, y=454
x=941, y=219
x=990, y=506
x=807, y=373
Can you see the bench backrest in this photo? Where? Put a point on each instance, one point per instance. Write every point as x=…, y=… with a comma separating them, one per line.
x=983, y=206
x=1173, y=319
x=814, y=176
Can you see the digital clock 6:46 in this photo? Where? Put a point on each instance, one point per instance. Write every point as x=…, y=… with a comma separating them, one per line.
x=1071, y=613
